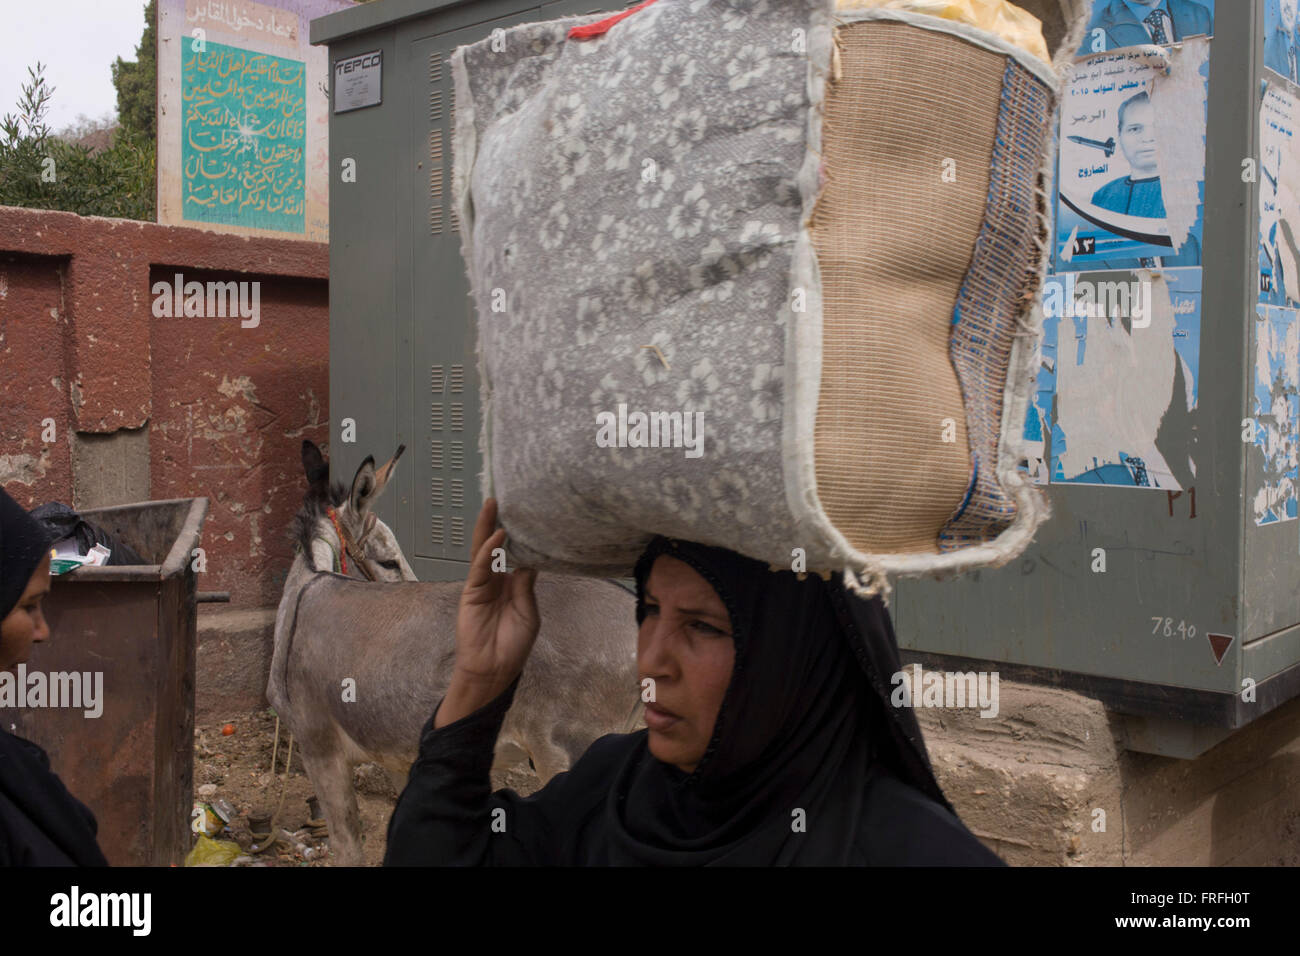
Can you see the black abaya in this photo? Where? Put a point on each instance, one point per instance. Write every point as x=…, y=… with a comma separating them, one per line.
x=41, y=823
x=808, y=763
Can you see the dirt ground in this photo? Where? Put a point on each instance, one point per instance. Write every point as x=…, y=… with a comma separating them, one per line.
x=237, y=769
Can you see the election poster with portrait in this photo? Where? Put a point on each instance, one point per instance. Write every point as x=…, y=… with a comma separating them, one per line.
x=1131, y=170
x=1124, y=23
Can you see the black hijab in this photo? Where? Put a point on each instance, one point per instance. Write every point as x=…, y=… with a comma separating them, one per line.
x=804, y=719
x=22, y=546
x=41, y=823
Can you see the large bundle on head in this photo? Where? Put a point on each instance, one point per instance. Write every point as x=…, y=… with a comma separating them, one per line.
x=757, y=273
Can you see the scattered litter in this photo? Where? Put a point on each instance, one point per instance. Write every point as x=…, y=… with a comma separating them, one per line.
x=224, y=810
x=259, y=824
x=207, y=820
x=76, y=538
x=227, y=730
x=212, y=817
x=209, y=852
x=316, y=825
x=64, y=556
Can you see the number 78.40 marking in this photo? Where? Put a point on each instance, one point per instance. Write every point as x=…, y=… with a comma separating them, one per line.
x=1183, y=630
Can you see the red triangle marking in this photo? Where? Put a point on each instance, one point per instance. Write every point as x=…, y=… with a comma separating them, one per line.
x=602, y=26
x=1219, y=644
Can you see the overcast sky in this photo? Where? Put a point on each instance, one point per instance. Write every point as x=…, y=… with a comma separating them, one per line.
x=77, y=40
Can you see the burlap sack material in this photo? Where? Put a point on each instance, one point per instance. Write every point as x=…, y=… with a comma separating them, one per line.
x=886, y=175
x=894, y=242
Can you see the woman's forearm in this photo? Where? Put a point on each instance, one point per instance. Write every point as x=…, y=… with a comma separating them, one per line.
x=466, y=695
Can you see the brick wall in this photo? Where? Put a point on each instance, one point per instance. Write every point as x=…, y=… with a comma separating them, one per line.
x=163, y=407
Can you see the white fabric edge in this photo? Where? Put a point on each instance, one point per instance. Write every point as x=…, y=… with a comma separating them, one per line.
x=464, y=153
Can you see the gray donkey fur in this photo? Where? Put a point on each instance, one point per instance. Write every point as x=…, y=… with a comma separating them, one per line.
x=395, y=637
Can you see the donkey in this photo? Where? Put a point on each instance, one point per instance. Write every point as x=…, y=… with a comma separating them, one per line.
x=359, y=664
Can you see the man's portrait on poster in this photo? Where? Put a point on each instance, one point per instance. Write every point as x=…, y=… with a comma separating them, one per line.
x=1138, y=192
x=1137, y=22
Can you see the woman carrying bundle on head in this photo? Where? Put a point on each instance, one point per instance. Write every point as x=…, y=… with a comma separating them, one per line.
x=770, y=738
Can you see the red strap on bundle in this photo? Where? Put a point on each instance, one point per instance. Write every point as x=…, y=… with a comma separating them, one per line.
x=599, y=28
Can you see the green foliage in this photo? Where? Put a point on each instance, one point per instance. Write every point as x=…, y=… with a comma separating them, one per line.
x=137, y=83
x=41, y=171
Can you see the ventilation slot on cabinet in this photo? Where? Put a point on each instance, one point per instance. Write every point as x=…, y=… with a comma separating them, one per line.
x=436, y=179
x=457, y=456
x=436, y=530
x=435, y=455
x=435, y=492
x=435, y=417
x=457, y=417
x=451, y=124
x=457, y=532
x=457, y=378
x=457, y=493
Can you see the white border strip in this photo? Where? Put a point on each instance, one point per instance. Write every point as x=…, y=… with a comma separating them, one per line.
x=464, y=154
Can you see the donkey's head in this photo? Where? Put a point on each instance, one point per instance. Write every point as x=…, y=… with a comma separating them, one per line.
x=336, y=528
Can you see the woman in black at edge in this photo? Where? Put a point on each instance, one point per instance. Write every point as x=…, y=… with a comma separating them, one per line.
x=770, y=741
x=41, y=824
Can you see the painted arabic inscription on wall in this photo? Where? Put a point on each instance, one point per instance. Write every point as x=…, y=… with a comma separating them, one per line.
x=244, y=137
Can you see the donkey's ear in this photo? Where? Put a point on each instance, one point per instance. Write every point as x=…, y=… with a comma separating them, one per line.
x=365, y=487
x=315, y=467
x=386, y=472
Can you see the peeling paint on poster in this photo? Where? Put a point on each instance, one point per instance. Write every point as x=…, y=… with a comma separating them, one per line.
x=1279, y=196
x=1275, y=412
x=1116, y=399
x=1280, y=41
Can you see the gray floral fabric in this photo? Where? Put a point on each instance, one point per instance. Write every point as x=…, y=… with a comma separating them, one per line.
x=626, y=192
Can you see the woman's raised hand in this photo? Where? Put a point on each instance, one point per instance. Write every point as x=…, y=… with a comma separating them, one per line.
x=495, y=627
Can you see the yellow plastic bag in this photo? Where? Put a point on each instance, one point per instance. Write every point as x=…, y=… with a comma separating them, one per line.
x=210, y=852
x=1006, y=20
